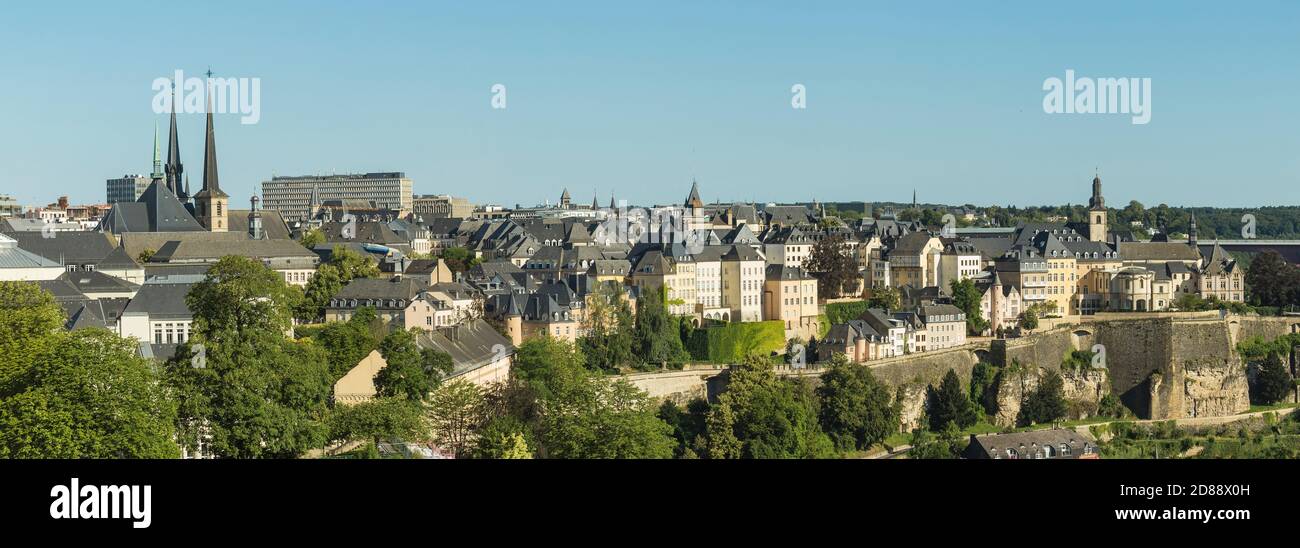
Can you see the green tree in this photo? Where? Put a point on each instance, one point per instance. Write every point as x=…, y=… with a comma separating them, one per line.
x=238, y=378
x=656, y=336
x=887, y=298
x=689, y=425
x=983, y=382
x=404, y=374
x=583, y=414
x=377, y=420
x=832, y=263
x=928, y=445
x=966, y=297
x=951, y=404
x=29, y=316
x=455, y=410
x=322, y=287
x=768, y=416
x=458, y=259
x=352, y=265
x=240, y=295
x=313, y=238
x=1273, y=384
x=610, y=330
x=1046, y=403
x=86, y=394
x=515, y=447
x=502, y=437
x=1029, y=319
x=856, y=409
x=1272, y=281
x=347, y=343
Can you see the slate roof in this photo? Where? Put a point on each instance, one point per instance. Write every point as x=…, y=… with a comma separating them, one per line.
x=182, y=251
x=788, y=215
x=71, y=247
x=1159, y=251
x=782, y=272
x=384, y=294
x=136, y=242
x=1220, y=262
x=11, y=256
x=157, y=210
x=912, y=243
x=1028, y=445
x=849, y=332
x=367, y=232
x=471, y=345
x=741, y=253
x=161, y=301
x=611, y=267
x=273, y=225
x=938, y=310
x=95, y=313
x=95, y=282
x=118, y=259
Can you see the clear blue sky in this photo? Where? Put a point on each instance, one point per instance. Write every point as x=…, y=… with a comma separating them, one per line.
x=637, y=98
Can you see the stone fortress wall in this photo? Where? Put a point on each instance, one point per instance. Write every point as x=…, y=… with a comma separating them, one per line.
x=1161, y=366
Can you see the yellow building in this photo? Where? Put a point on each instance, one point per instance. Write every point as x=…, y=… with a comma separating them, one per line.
x=790, y=296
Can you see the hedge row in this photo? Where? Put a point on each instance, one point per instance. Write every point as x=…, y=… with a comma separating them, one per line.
x=843, y=312
x=732, y=342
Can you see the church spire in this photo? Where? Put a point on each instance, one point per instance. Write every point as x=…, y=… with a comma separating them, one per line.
x=174, y=169
x=693, y=199
x=211, y=184
x=157, y=172
x=1191, y=232
x=210, y=203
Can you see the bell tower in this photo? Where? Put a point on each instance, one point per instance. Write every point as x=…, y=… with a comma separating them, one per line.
x=1097, y=213
x=211, y=204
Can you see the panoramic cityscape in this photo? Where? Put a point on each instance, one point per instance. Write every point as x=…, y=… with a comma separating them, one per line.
x=358, y=238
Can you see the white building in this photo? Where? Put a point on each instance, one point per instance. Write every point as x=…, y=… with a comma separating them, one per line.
x=21, y=265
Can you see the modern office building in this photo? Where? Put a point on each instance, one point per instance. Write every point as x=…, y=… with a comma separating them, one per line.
x=294, y=197
x=128, y=188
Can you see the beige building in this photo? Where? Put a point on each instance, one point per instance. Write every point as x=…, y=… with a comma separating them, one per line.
x=945, y=326
x=657, y=269
x=790, y=296
x=478, y=354
x=1137, y=289
x=358, y=385
x=743, y=276
x=914, y=260
x=442, y=305
x=1221, y=277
